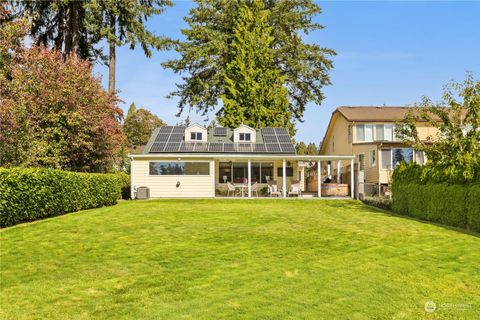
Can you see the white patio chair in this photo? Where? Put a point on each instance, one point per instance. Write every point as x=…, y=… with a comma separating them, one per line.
x=255, y=188
x=295, y=190
x=273, y=190
x=231, y=188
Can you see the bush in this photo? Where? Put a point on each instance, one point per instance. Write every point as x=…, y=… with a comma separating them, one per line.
x=379, y=202
x=28, y=194
x=430, y=194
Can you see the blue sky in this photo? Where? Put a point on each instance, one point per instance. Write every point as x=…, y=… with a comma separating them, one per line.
x=388, y=53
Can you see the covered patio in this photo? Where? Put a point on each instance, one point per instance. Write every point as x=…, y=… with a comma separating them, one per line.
x=252, y=176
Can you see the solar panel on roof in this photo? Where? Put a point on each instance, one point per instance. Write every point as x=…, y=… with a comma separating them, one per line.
x=176, y=137
x=244, y=147
x=229, y=147
x=187, y=146
x=287, y=148
x=282, y=131
x=268, y=131
x=178, y=130
x=165, y=129
x=157, y=147
x=201, y=147
x=172, y=147
x=220, y=131
x=273, y=147
x=284, y=139
x=162, y=137
x=215, y=147
x=259, y=147
x=270, y=139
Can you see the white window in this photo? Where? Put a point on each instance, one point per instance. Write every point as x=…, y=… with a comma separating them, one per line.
x=372, y=158
x=360, y=134
x=364, y=132
x=196, y=136
x=386, y=159
x=379, y=132
x=388, y=132
x=245, y=136
x=368, y=132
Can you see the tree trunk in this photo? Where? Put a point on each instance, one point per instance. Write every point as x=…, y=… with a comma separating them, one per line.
x=112, y=57
x=71, y=36
x=61, y=30
x=75, y=26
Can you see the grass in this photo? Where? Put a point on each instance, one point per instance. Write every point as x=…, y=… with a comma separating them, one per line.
x=221, y=259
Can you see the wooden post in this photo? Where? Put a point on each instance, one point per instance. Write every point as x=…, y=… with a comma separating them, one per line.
x=284, y=182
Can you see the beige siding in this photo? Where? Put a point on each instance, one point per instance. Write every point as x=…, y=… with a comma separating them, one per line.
x=336, y=142
x=371, y=173
x=166, y=186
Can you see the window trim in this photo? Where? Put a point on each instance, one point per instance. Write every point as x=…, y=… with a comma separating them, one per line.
x=195, y=134
x=182, y=175
x=244, y=135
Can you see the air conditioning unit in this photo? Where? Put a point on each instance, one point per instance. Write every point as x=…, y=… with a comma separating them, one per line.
x=143, y=193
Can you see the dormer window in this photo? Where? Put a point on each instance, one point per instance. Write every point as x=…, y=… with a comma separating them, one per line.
x=196, y=136
x=245, y=137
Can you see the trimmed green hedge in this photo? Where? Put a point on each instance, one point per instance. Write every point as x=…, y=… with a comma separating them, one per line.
x=28, y=194
x=420, y=192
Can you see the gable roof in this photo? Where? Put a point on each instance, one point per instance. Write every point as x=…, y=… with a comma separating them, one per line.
x=373, y=114
x=171, y=139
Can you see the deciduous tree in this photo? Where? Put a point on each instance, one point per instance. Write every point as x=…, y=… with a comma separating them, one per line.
x=59, y=115
x=456, y=147
x=139, y=125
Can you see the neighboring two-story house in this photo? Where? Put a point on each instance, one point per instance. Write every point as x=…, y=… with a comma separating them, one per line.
x=369, y=134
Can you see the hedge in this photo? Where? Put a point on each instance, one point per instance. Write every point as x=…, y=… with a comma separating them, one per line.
x=28, y=194
x=420, y=192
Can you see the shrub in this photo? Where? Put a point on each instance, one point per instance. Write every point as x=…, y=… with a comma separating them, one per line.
x=28, y=194
x=379, y=202
x=431, y=194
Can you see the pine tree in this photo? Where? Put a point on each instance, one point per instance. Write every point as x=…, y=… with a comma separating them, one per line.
x=204, y=53
x=254, y=94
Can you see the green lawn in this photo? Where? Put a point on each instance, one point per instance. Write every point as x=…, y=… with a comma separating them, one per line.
x=234, y=259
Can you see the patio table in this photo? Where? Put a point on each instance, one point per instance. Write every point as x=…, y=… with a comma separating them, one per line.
x=241, y=186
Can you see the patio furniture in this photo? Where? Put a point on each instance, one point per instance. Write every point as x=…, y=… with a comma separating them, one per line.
x=273, y=191
x=231, y=188
x=295, y=190
x=255, y=188
x=241, y=188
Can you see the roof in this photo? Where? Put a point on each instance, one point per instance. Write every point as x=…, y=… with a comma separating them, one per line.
x=373, y=114
x=171, y=139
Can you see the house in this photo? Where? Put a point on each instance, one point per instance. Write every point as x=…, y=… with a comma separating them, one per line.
x=196, y=161
x=369, y=134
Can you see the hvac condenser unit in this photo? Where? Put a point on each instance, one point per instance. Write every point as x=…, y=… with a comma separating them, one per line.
x=143, y=193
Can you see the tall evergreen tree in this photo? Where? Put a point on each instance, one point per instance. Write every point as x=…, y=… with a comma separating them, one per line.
x=72, y=26
x=254, y=93
x=205, y=53
x=123, y=23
